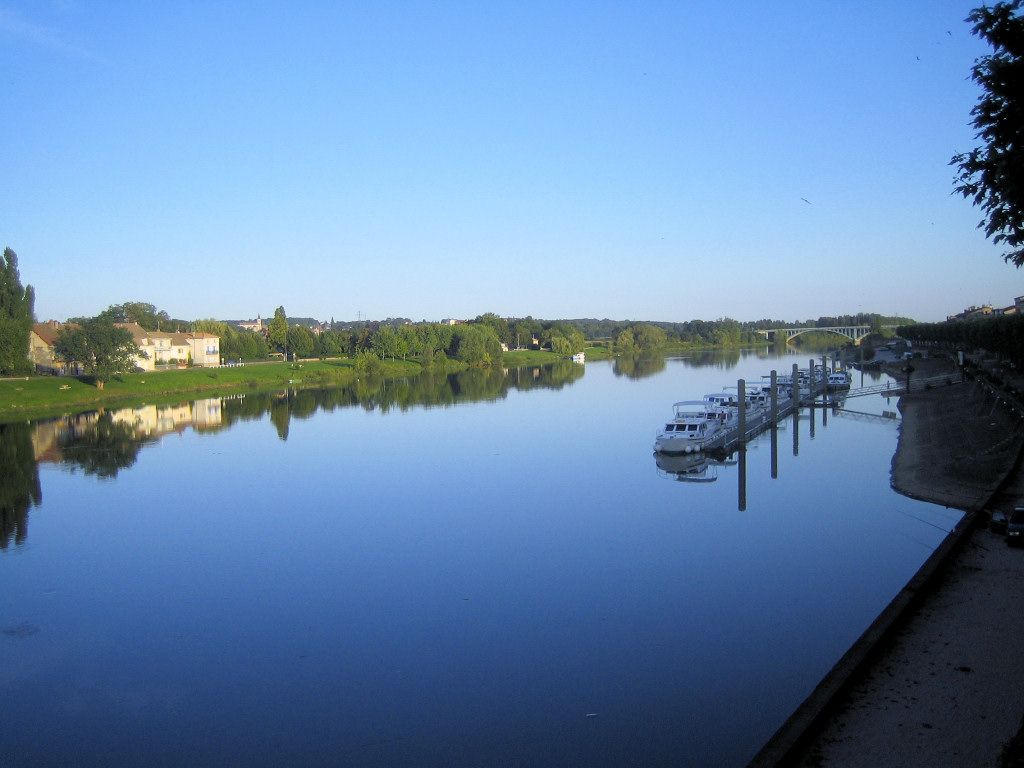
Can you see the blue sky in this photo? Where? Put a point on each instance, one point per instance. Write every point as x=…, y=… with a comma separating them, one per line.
x=662, y=161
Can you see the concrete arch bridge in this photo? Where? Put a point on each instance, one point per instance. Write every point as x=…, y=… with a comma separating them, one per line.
x=855, y=333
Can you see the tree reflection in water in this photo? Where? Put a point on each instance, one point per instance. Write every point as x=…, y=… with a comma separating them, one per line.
x=429, y=389
x=639, y=366
x=104, y=447
x=19, y=482
x=102, y=443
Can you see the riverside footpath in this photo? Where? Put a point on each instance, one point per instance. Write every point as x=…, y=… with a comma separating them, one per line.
x=938, y=680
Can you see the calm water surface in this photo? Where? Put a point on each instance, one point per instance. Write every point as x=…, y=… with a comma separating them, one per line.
x=503, y=577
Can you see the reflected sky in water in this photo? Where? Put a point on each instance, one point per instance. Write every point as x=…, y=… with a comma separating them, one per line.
x=500, y=574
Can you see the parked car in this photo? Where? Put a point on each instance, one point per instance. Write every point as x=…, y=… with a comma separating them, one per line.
x=1015, y=527
x=998, y=523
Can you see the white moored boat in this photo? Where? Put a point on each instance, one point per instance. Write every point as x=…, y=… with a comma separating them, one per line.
x=728, y=403
x=696, y=426
x=839, y=380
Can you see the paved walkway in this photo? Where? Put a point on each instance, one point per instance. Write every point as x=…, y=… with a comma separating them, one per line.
x=947, y=687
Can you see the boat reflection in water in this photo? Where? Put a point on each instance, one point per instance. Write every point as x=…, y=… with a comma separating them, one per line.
x=703, y=467
x=689, y=467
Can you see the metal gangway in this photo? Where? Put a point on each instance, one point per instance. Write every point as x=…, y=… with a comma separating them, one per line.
x=896, y=388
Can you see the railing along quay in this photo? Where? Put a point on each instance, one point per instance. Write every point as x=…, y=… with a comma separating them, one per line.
x=895, y=389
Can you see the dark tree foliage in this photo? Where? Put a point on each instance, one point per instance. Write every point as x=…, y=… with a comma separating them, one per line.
x=143, y=313
x=103, y=349
x=277, y=329
x=992, y=175
x=1003, y=335
x=301, y=341
x=16, y=316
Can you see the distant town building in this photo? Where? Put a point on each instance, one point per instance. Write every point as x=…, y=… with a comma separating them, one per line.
x=973, y=313
x=256, y=325
x=987, y=310
x=155, y=348
x=162, y=348
x=40, y=349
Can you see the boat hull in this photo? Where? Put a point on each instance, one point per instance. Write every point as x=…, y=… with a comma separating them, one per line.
x=671, y=445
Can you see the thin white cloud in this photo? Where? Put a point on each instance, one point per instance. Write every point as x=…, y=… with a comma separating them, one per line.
x=15, y=24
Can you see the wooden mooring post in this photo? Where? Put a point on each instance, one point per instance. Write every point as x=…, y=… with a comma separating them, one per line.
x=775, y=398
x=775, y=451
x=741, y=389
x=742, y=473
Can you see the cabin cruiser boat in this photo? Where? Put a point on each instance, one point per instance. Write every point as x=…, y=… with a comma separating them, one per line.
x=696, y=426
x=839, y=380
x=757, y=410
x=722, y=400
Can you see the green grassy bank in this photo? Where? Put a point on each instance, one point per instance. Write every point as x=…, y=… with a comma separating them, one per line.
x=40, y=396
x=43, y=396
x=520, y=357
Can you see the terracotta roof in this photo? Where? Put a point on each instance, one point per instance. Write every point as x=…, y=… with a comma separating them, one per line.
x=136, y=330
x=47, y=331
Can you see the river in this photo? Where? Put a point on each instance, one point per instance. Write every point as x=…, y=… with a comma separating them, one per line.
x=481, y=570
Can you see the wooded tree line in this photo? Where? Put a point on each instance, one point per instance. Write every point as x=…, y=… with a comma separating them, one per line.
x=428, y=343
x=1003, y=334
x=725, y=332
x=431, y=343
x=470, y=342
x=105, y=350
x=145, y=314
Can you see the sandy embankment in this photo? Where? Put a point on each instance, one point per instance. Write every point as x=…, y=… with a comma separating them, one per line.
x=944, y=686
x=957, y=443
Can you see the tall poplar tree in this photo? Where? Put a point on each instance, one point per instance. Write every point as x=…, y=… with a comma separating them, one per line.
x=17, y=313
x=277, y=329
